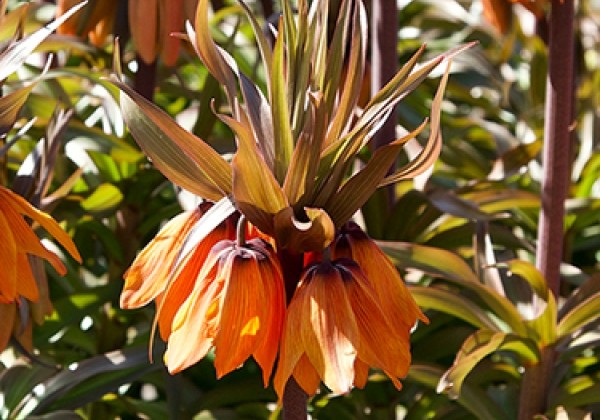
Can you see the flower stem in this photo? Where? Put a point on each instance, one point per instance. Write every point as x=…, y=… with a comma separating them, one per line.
x=294, y=398
x=557, y=137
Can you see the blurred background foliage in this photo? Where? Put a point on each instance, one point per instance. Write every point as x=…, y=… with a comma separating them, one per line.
x=464, y=234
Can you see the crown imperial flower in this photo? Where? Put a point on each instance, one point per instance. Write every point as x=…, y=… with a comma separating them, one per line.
x=333, y=331
x=237, y=305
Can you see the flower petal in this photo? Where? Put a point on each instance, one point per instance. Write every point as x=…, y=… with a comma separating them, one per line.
x=242, y=311
x=191, y=336
x=148, y=274
x=330, y=334
x=8, y=259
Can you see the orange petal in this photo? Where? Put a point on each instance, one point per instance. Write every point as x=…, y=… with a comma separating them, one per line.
x=8, y=260
x=27, y=286
x=383, y=344
x=329, y=332
x=150, y=271
x=274, y=292
x=46, y=221
x=306, y=376
x=361, y=373
x=242, y=311
x=177, y=292
x=191, y=337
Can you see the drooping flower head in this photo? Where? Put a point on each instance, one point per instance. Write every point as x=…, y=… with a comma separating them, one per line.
x=236, y=306
x=293, y=178
x=336, y=328
x=19, y=241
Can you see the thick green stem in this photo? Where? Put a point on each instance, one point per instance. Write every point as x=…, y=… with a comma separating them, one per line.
x=557, y=137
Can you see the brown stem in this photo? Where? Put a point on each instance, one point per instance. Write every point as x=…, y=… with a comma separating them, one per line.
x=294, y=398
x=557, y=136
x=384, y=65
x=535, y=386
x=145, y=78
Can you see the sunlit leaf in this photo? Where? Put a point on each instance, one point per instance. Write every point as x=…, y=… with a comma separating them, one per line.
x=453, y=304
x=105, y=197
x=478, y=346
x=17, y=53
x=182, y=157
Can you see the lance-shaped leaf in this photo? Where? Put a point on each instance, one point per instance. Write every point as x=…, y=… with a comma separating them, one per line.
x=10, y=105
x=545, y=323
x=209, y=52
x=144, y=26
x=263, y=43
x=16, y=54
x=444, y=264
x=182, y=157
x=430, y=153
x=581, y=308
x=358, y=189
x=255, y=190
x=282, y=130
x=453, y=304
x=353, y=76
x=476, y=348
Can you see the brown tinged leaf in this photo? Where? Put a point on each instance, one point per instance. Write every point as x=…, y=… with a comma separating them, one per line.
x=498, y=13
x=182, y=157
x=171, y=21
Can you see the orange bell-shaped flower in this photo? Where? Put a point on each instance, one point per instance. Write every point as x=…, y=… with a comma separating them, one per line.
x=336, y=327
x=237, y=306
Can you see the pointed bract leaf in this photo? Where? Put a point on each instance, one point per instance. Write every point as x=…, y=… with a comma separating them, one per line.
x=182, y=157
x=358, y=189
x=10, y=105
x=255, y=190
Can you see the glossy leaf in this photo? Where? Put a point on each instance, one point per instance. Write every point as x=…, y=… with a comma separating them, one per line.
x=453, y=304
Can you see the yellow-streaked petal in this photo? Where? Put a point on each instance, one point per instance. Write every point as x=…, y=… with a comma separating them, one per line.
x=190, y=338
x=291, y=348
x=274, y=292
x=148, y=274
x=177, y=292
x=242, y=311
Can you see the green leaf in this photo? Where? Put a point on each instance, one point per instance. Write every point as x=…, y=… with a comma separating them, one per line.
x=581, y=315
x=99, y=367
x=545, y=323
x=255, y=190
x=104, y=198
x=17, y=53
x=473, y=398
x=478, y=346
x=282, y=130
x=453, y=304
x=433, y=261
x=182, y=157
